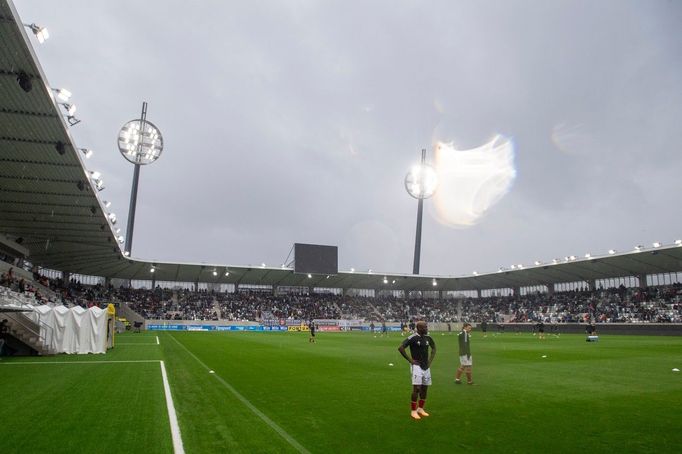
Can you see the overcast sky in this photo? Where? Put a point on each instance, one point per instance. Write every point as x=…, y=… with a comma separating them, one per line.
x=297, y=121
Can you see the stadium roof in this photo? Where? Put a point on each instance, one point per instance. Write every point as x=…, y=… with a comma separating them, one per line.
x=49, y=205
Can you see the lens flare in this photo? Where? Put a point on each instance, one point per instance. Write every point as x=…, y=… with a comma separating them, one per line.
x=472, y=181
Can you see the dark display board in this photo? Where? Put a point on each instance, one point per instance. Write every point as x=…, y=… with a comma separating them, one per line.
x=316, y=259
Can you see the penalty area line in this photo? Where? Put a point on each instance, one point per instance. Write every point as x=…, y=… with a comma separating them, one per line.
x=80, y=362
x=118, y=344
x=178, y=448
x=273, y=425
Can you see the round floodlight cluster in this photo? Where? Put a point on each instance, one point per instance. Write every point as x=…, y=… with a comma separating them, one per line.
x=140, y=142
x=421, y=181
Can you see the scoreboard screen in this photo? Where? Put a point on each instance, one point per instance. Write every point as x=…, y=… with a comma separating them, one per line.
x=316, y=259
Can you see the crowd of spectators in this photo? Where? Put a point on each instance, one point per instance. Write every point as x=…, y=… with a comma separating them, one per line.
x=661, y=304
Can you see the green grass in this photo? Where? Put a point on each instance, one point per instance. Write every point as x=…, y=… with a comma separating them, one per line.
x=340, y=395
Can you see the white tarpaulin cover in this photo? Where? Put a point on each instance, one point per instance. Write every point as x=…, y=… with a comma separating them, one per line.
x=74, y=330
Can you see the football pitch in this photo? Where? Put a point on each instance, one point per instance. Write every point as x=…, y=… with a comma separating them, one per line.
x=276, y=392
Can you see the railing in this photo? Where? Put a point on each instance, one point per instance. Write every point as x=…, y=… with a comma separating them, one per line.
x=15, y=304
x=26, y=323
x=15, y=301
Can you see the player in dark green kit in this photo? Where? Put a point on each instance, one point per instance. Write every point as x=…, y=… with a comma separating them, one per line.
x=420, y=365
x=465, y=362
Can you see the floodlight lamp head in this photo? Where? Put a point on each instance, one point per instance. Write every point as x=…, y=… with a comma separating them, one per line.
x=70, y=108
x=62, y=94
x=421, y=181
x=86, y=152
x=140, y=142
x=41, y=32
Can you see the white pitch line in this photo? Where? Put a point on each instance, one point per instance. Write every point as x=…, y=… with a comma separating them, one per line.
x=273, y=425
x=118, y=344
x=79, y=362
x=175, y=427
x=157, y=340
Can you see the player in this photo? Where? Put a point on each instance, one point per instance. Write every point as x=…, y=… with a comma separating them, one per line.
x=371, y=327
x=311, y=327
x=420, y=366
x=541, y=329
x=465, y=361
x=484, y=328
x=383, y=328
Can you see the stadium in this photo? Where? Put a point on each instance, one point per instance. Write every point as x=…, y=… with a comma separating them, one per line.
x=104, y=351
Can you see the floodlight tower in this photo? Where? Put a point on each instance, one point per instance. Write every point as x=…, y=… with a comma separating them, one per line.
x=421, y=183
x=141, y=143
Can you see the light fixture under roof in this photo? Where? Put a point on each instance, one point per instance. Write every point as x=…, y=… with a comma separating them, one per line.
x=434, y=283
x=215, y=273
x=678, y=242
x=385, y=280
x=62, y=94
x=657, y=244
x=69, y=108
x=537, y=262
x=41, y=32
x=612, y=251
x=639, y=248
x=310, y=276
x=86, y=152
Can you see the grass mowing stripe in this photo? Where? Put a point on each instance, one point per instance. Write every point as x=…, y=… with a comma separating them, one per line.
x=273, y=425
x=174, y=426
x=172, y=417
